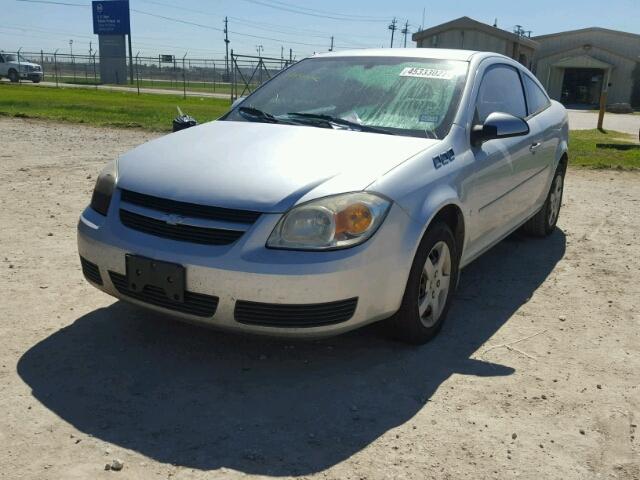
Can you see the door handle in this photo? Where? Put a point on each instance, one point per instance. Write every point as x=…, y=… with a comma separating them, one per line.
x=534, y=147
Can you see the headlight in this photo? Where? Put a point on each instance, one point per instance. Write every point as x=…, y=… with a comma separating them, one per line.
x=334, y=222
x=103, y=190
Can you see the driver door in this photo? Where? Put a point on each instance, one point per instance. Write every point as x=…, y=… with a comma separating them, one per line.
x=493, y=181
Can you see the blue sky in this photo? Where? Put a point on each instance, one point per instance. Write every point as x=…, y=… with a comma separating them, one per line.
x=361, y=23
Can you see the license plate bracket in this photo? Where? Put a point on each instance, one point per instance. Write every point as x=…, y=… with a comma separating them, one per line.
x=142, y=272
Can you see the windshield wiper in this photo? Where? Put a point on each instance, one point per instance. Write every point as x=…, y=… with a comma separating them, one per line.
x=255, y=115
x=341, y=122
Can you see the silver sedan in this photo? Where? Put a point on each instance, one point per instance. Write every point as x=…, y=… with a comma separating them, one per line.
x=351, y=188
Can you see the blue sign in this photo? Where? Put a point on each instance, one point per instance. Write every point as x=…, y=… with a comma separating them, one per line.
x=111, y=17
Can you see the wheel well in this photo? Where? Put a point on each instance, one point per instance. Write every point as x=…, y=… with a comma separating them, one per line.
x=452, y=216
x=564, y=162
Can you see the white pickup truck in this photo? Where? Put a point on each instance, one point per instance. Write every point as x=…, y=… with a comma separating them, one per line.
x=16, y=67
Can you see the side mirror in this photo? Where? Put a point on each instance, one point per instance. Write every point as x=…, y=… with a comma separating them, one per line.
x=237, y=102
x=498, y=125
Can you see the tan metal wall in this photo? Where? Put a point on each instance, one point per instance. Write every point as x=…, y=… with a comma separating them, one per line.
x=617, y=49
x=471, y=39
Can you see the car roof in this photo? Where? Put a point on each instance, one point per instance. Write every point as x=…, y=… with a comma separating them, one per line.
x=435, y=53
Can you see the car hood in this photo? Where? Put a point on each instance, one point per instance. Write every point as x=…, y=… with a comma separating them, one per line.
x=24, y=64
x=259, y=166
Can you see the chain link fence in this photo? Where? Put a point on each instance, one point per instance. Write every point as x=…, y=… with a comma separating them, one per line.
x=189, y=76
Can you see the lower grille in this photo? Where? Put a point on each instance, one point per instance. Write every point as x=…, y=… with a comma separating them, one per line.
x=196, y=304
x=299, y=315
x=91, y=271
x=185, y=233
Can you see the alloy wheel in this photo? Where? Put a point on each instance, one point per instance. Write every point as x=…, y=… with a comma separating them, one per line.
x=434, y=284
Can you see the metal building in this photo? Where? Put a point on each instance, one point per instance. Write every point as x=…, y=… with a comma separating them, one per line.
x=576, y=66
x=467, y=33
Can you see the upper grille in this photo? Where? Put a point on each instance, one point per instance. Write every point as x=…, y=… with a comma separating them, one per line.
x=185, y=233
x=197, y=304
x=294, y=315
x=189, y=209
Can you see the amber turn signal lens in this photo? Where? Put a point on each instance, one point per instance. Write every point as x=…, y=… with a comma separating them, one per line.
x=354, y=220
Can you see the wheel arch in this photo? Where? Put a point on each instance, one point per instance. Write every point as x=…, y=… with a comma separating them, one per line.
x=444, y=205
x=451, y=214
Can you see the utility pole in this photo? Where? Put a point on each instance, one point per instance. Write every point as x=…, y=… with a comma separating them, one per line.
x=71, y=47
x=331, y=47
x=423, y=12
x=90, y=48
x=226, y=45
x=259, y=49
x=405, y=31
x=393, y=27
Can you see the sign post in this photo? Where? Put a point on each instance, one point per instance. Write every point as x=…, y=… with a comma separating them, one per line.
x=111, y=22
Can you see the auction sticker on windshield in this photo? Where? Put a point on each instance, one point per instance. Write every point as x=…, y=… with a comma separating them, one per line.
x=420, y=72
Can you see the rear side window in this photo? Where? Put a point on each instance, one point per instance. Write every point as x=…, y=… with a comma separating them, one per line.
x=500, y=91
x=537, y=100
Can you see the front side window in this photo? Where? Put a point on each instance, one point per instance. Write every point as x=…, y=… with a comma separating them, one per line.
x=404, y=96
x=500, y=91
x=537, y=100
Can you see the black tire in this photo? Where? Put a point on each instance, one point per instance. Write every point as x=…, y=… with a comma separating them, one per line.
x=407, y=324
x=36, y=80
x=13, y=76
x=544, y=222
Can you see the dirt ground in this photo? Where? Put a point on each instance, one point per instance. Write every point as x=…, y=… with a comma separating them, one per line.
x=535, y=375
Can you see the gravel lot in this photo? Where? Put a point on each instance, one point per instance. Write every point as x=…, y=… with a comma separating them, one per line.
x=535, y=374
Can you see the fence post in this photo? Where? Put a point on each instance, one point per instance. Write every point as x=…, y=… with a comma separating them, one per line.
x=233, y=76
x=19, y=66
x=174, y=77
x=214, y=76
x=42, y=63
x=95, y=75
x=73, y=64
x=184, y=77
x=55, y=65
x=138, y=73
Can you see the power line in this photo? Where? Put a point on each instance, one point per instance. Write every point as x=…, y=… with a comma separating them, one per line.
x=311, y=14
x=55, y=3
x=185, y=22
x=368, y=17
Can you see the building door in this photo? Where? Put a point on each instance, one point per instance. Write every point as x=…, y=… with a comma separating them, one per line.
x=582, y=86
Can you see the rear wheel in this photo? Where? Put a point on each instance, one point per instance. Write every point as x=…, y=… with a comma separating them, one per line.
x=544, y=222
x=13, y=76
x=429, y=290
x=36, y=80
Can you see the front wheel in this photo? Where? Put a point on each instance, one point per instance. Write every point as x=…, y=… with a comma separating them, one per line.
x=429, y=290
x=13, y=76
x=544, y=222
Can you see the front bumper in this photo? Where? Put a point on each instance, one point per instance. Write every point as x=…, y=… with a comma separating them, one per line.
x=375, y=272
x=31, y=75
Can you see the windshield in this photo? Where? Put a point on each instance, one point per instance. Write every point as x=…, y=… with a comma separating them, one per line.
x=405, y=96
x=10, y=57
